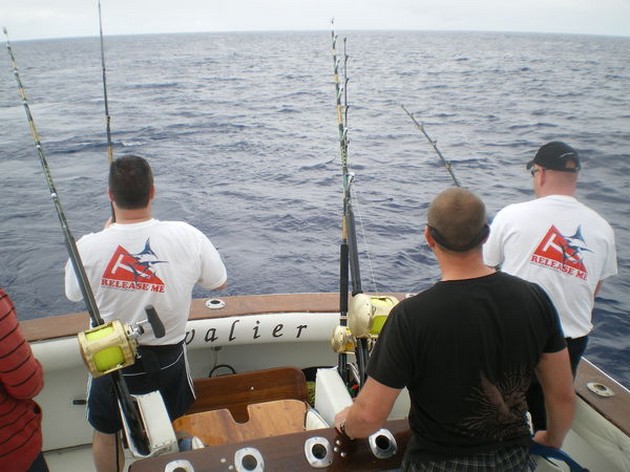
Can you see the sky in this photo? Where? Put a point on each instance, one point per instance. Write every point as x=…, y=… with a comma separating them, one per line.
x=39, y=19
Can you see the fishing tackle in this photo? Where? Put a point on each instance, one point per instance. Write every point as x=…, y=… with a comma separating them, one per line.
x=349, y=258
x=110, y=151
x=128, y=408
x=108, y=119
x=433, y=143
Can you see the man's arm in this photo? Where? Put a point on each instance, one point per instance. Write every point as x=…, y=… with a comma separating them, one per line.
x=72, y=289
x=213, y=274
x=554, y=374
x=369, y=410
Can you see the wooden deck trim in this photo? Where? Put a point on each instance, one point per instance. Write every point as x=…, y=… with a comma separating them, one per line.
x=54, y=327
x=60, y=326
x=286, y=453
x=616, y=409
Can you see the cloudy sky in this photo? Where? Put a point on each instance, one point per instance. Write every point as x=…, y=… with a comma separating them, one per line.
x=31, y=19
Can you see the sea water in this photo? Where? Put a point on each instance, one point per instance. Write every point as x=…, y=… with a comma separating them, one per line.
x=241, y=130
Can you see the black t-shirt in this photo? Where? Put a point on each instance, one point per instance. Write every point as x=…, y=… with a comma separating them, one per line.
x=466, y=350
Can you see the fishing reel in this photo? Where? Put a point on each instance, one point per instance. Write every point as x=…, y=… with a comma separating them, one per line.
x=113, y=345
x=366, y=316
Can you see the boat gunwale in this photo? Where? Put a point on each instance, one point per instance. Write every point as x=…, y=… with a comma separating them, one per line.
x=61, y=326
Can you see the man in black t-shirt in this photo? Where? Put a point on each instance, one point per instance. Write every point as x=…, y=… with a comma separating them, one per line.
x=466, y=349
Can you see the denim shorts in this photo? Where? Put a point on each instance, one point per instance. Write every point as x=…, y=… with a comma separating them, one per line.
x=163, y=368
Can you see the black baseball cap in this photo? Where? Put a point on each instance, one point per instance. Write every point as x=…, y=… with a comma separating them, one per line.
x=556, y=156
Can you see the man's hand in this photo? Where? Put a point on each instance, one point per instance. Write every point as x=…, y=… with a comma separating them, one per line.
x=340, y=420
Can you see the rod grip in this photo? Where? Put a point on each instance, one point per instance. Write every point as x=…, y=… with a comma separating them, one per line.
x=155, y=322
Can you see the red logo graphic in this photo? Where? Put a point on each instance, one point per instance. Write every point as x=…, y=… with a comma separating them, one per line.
x=561, y=253
x=126, y=271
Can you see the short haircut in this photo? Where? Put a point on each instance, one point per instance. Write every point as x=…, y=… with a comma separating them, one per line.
x=130, y=181
x=457, y=220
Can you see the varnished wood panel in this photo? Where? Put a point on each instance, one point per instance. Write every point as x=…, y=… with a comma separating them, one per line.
x=286, y=453
x=265, y=420
x=234, y=392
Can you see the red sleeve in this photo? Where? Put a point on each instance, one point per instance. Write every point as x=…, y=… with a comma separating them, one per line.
x=21, y=375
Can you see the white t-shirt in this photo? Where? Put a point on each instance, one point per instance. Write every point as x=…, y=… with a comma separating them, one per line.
x=560, y=244
x=130, y=266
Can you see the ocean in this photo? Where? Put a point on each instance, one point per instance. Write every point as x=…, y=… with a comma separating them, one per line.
x=241, y=131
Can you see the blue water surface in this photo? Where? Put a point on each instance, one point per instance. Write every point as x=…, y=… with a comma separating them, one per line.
x=241, y=131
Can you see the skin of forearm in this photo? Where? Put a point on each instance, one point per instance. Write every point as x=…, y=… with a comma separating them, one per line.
x=360, y=425
x=559, y=420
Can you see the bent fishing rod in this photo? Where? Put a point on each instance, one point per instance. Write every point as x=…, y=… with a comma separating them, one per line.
x=120, y=387
x=348, y=257
x=433, y=143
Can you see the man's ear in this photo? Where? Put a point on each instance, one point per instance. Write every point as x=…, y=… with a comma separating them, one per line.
x=428, y=237
x=152, y=192
x=110, y=195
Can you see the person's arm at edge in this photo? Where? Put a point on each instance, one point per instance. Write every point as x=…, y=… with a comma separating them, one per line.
x=369, y=411
x=554, y=374
x=22, y=375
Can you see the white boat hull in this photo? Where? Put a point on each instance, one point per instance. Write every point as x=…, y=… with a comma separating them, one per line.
x=259, y=332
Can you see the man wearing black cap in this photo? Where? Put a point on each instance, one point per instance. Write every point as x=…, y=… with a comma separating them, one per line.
x=559, y=243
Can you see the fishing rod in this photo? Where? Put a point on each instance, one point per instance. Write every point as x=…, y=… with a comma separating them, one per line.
x=110, y=149
x=433, y=143
x=120, y=387
x=71, y=246
x=348, y=252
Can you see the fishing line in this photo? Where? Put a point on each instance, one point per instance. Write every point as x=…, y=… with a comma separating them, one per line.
x=365, y=241
x=110, y=149
x=433, y=143
x=120, y=387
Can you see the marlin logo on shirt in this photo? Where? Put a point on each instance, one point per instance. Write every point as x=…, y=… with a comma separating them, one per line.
x=128, y=271
x=562, y=253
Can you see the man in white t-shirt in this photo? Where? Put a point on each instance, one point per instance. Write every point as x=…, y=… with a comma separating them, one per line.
x=135, y=262
x=559, y=243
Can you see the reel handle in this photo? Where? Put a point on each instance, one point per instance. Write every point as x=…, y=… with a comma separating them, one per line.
x=155, y=321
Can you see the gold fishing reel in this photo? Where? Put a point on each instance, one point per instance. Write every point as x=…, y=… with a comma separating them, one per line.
x=112, y=346
x=108, y=347
x=366, y=316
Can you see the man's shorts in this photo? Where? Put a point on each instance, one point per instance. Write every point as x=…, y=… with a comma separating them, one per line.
x=506, y=459
x=163, y=368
